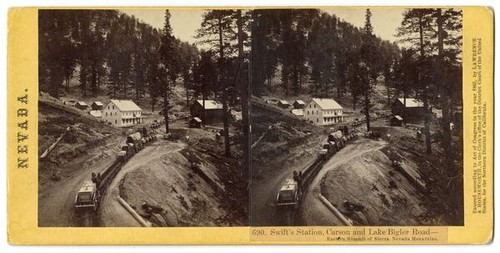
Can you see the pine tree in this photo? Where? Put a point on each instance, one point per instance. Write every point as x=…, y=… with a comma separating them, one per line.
x=368, y=64
x=416, y=29
x=168, y=55
x=217, y=32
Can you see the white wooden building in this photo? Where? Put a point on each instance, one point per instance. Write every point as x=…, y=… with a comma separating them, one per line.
x=122, y=113
x=323, y=112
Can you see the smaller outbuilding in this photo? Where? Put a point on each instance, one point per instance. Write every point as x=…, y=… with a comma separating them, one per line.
x=396, y=120
x=97, y=105
x=213, y=111
x=81, y=105
x=411, y=108
x=299, y=104
x=283, y=104
x=195, y=122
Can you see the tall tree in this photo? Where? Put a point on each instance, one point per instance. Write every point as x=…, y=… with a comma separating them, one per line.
x=368, y=64
x=168, y=55
x=217, y=31
x=416, y=29
x=242, y=80
x=448, y=63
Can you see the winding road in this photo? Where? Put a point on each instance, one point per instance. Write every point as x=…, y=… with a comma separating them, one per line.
x=313, y=212
x=111, y=212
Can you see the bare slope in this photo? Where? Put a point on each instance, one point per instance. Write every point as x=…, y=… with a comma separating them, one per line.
x=165, y=178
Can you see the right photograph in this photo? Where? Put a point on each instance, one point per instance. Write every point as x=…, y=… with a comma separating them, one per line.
x=356, y=117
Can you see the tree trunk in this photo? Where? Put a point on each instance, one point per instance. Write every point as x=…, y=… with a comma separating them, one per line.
x=388, y=92
x=67, y=84
x=427, y=133
x=367, y=107
x=404, y=107
x=187, y=92
x=222, y=83
x=165, y=109
x=245, y=91
x=447, y=107
x=204, y=97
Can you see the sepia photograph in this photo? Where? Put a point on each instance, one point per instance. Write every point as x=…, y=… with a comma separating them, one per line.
x=260, y=117
x=142, y=118
x=147, y=124
x=356, y=117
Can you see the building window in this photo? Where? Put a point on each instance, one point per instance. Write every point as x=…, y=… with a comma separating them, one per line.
x=317, y=120
x=116, y=121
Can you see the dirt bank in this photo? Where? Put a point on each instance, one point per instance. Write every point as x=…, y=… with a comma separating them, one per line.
x=163, y=177
x=376, y=192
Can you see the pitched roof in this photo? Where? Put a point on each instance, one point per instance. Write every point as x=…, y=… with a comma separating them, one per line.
x=411, y=102
x=327, y=103
x=210, y=104
x=284, y=102
x=300, y=102
x=81, y=103
x=126, y=105
x=98, y=103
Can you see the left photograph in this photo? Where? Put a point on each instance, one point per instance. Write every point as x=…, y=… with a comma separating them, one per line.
x=142, y=118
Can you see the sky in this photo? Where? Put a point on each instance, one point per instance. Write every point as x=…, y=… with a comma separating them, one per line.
x=185, y=21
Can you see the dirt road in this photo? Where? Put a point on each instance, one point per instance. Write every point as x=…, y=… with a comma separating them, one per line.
x=313, y=211
x=111, y=212
x=263, y=211
x=56, y=203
